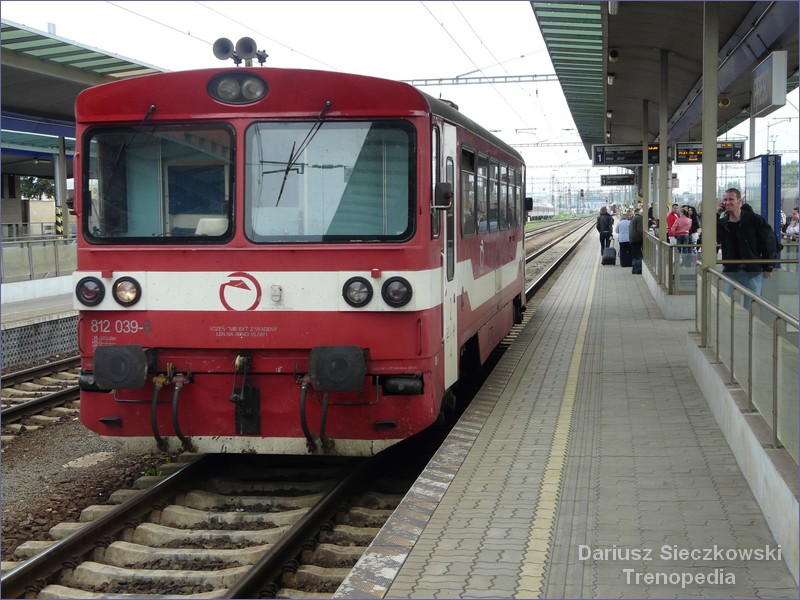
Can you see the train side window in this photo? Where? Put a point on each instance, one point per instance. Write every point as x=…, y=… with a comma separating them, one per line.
x=467, y=203
x=436, y=215
x=512, y=198
x=482, y=205
x=450, y=176
x=494, y=171
x=503, y=203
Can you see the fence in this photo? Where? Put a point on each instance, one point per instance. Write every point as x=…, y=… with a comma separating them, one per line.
x=755, y=337
x=32, y=258
x=758, y=344
x=675, y=266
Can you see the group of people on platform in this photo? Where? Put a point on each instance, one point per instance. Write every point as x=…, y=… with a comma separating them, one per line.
x=683, y=222
x=741, y=233
x=630, y=236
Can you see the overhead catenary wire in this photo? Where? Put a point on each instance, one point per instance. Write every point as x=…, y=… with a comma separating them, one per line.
x=466, y=54
x=189, y=34
x=537, y=110
x=265, y=36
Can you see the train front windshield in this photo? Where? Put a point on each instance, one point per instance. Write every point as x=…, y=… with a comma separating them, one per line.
x=159, y=184
x=304, y=182
x=329, y=181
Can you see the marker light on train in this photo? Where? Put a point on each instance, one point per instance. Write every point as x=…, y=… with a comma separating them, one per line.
x=228, y=89
x=357, y=292
x=127, y=291
x=90, y=291
x=396, y=291
x=253, y=88
x=237, y=88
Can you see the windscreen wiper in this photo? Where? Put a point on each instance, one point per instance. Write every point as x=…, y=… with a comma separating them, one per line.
x=303, y=145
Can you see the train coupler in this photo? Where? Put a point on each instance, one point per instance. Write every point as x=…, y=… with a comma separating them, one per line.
x=246, y=399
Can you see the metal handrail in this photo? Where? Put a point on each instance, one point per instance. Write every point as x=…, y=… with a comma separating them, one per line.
x=661, y=258
x=780, y=329
x=22, y=230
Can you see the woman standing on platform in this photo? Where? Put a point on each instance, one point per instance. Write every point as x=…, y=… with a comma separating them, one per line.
x=605, y=223
x=680, y=231
x=694, y=231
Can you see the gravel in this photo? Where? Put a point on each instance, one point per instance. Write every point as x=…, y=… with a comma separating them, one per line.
x=41, y=489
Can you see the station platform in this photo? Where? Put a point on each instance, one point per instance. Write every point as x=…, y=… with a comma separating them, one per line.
x=36, y=328
x=588, y=466
x=36, y=310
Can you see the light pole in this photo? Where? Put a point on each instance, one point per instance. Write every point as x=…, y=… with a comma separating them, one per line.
x=773, y=138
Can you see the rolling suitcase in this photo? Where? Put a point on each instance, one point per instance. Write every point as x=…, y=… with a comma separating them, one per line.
x=609, y=256
x=636, y=266
x=625, y=255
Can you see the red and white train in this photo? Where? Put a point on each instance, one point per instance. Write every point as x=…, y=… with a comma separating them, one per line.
x=282, y=261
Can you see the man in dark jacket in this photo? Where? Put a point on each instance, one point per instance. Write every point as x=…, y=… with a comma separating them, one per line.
x=744, y=235
x=636, y=234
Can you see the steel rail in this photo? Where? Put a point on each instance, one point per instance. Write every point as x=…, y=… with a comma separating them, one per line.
x=12, y=414
x=14, y=377
x=536, y=285
x=285, y=549
x=34, y=574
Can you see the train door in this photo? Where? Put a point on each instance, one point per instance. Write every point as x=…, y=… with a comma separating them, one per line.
x=450, y=282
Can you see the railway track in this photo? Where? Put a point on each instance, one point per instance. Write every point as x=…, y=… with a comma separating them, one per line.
x=556, y=227
x=545, y=257
x=223, y=526
x=38, y=396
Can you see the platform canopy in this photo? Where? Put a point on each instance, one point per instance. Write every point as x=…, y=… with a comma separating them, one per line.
x=588, y=42
x=42, y=75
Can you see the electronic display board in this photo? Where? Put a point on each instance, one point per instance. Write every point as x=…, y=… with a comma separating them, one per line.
x=620, y=155
x=692, y=152
x=628, y=179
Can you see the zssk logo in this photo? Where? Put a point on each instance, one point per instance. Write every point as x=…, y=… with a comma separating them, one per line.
x=241, y=292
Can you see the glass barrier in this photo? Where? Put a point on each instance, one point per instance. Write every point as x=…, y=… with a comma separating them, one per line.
x=67, y=256
x=675, y=268
x=16, y=262
x=758, y=343
x=38, y=259
x=786, y=387
x=683, y=260
x=44, y=259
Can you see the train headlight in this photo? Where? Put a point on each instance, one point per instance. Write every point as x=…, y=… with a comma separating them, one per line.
x=90, y=291
x=357, y=292
x=253, y=88
x=228, y=89
x=396, y=291
x=126, y=291
x=237, y=88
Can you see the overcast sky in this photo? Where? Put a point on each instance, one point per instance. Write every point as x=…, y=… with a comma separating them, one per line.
x=401, y=40
x=396, y=40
